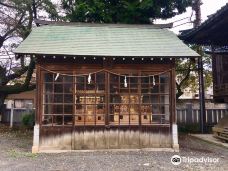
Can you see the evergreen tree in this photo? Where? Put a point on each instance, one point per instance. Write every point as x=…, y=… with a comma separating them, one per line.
x=123, y=11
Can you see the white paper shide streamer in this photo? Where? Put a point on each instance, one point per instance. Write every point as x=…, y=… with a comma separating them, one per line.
x=57, y=76
x=125, y=81
x=89, y=79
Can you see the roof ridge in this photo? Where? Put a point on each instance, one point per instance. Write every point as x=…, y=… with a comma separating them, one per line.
x=118, y=25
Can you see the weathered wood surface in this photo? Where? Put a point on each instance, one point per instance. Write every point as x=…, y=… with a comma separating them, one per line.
x=221, y=133
x=106, y=136
x=106, y=139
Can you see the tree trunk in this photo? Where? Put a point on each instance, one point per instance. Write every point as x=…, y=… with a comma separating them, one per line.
x=2, y=106
x=179, y=91
x=196, y=8
x=2, y=39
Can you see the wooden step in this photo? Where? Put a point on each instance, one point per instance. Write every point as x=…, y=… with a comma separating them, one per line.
x=224, y=138
x=224, y=135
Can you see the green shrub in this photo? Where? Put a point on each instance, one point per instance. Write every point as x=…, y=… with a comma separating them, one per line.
x=28, y=119
x=189, y=128
x=193, y=128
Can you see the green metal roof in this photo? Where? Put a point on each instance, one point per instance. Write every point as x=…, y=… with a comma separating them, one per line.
x=104, y=40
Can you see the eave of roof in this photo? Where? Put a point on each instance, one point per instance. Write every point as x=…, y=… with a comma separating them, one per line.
x=216, y=21
x=218, y=50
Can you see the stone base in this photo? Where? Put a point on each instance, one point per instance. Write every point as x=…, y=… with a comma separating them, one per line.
x=36, y=134
x=175, y=143
x=35, y=149
x=176, y=147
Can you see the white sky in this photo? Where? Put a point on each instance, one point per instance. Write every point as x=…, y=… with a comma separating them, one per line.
x=207, y=8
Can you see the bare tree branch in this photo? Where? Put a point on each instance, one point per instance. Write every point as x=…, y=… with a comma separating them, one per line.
x=15, y=27
x=16, y=20
x=7, y=5
x=187, y=74
x=10, y=31
x=17, y=74
x=186, y=77
x=11, y=89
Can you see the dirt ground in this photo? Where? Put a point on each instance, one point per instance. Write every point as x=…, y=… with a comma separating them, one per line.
x=15, y=154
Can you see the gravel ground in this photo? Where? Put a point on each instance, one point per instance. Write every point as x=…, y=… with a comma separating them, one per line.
x=15, y=154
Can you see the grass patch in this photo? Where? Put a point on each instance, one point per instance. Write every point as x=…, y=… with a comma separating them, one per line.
x=18, y=154
x=24, y=144
x=16, y=131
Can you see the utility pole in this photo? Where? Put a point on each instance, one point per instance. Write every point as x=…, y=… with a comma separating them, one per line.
x=196, y=7
x=34, y=11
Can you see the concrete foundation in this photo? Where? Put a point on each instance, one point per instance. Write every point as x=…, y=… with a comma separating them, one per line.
x=36, y=136
x=57, y=139
x=175, y=143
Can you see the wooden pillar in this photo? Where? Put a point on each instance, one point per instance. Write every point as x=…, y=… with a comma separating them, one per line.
x=201, y=96
x=11, y=114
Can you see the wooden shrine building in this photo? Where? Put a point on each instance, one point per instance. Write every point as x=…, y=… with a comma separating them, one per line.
x=104, y=86
x=214, y=34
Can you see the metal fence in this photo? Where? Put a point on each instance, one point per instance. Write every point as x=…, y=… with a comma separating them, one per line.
x=192, y=116
x=187, y=115
x=17, y=115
